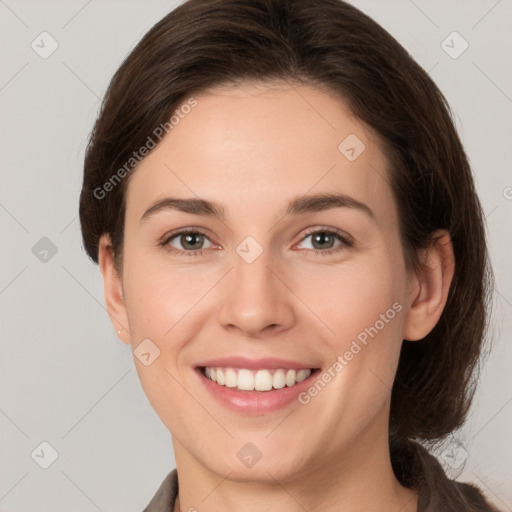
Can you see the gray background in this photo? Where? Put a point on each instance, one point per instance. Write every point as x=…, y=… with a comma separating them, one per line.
x=65, y=378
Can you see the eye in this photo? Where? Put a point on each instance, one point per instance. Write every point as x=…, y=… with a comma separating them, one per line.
x=191, y=241
x=186, y=242
x=324, y=241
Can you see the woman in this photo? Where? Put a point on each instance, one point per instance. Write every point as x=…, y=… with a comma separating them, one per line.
x=291, y=243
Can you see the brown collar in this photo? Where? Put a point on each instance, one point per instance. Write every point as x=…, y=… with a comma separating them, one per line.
x=414, y=467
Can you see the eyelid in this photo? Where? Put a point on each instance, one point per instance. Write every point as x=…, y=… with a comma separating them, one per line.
x=187, y=229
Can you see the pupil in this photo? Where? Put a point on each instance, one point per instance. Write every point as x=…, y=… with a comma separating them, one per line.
x=189, y=239
x=321, y=238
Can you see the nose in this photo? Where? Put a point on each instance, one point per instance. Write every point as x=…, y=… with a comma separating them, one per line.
x=255, y=299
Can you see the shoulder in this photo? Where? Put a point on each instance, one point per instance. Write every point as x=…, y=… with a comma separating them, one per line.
x=163, y=500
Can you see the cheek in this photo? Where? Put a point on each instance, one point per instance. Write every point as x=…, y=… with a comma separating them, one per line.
x=160, y=295
x=361, y=304
x=351, y=296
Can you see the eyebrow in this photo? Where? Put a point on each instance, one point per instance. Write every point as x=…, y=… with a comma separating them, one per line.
x=298, y=206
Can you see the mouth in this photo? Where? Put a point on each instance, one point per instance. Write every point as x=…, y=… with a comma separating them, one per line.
x=245, y=379
x=255, y=387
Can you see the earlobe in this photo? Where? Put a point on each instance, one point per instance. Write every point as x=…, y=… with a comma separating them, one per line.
x=429, y=288
x=113, y=289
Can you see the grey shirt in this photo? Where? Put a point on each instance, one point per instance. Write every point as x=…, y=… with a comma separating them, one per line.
x=414, y=467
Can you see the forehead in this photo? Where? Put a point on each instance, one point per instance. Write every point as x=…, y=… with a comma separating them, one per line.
x=253, y=147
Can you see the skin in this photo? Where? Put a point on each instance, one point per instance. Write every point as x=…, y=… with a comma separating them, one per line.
x=252, y=148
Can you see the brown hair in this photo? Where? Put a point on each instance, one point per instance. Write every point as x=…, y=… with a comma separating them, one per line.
x=331, y=44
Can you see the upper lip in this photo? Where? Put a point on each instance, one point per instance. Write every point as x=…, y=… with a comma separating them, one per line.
x=269, y=363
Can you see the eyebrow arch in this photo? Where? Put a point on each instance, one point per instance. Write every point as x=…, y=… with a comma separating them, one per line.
x=297, y=206
x=188, y=205
x=321, y=202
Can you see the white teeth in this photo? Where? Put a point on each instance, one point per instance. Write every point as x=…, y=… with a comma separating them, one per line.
x=303, y=375
x=259, y=380
x=290, y=377
x=278, y=380
x=263, y=381
x=245, y=380
x=231, y=380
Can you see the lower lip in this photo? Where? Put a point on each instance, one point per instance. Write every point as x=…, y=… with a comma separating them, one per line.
x=255, y=402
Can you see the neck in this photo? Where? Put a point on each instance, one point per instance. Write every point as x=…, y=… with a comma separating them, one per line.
x=359, y=479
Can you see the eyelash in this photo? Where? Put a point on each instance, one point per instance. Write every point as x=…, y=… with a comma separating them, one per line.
x=343, y=237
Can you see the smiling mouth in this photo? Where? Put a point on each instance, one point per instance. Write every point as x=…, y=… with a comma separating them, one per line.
x=243, y=379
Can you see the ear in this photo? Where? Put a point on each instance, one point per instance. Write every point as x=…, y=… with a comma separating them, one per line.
x=113, y=289
x=429, y=288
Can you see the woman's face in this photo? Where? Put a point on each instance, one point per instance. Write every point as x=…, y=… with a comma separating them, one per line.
x=281, y=284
